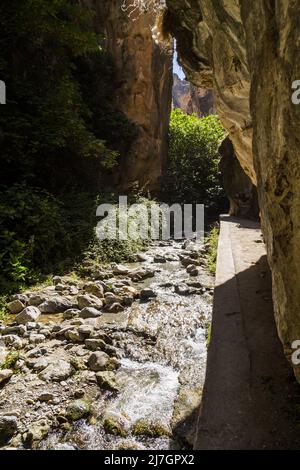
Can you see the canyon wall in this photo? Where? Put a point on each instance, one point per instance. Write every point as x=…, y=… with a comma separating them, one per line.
x=144, y=91
x=191, y=99
x=248, y=52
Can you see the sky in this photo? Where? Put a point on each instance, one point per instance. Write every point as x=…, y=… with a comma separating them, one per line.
x=176, y=67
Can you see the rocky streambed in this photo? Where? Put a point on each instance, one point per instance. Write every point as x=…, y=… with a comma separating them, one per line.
x=114, y=360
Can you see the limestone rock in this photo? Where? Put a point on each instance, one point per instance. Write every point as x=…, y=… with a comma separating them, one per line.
x=16, y=306
x=29, y=314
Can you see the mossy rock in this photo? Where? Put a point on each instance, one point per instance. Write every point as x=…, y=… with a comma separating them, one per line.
x=78, y=409
x=116, y=424
x=144, y=427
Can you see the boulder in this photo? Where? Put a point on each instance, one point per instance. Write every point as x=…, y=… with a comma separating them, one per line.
x=89, y=300
x=107, y=380
x=57, y=371
x=90, y=312
x=16, y=306
x=78, y=409
x=98, y=361
x=29, y=314
x=8, y=428
x=5, y=374
x=56, y=304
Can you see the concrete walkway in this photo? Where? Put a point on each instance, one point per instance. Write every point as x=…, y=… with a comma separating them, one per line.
x=250, y=399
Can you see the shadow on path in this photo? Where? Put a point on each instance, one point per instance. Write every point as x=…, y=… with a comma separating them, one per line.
x=250, y=398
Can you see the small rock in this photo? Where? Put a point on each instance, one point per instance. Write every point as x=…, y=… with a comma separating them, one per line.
x=95, y=288
x=89, y=300
x=159, y=259
x=71, y=313
x=5, y=374
x=120, y=270
x=35, y=338
x=36, y=432
x=89, y=312
x=57, y=371
x=16, y=306
x=21, y=297
x=29, y=314
x=37, y=364
x=46, y=396
x=8, y=428
x=115, y=308
x=98, y=361
x=147, y=294
x=94, y=344
x=36, y=300
x=107, y=380
x=78, y=409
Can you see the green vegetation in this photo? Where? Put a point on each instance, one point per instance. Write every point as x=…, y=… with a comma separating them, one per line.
x=61, y=134
x=193, y=173
x=212, y=242
x=10, y=360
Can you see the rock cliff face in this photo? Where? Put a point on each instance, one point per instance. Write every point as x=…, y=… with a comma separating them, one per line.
x=144, y=93
x=240, y=190
x=248, y=52
x=192, y=99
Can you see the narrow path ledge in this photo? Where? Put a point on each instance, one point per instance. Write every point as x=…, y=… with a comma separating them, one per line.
x=250, y=396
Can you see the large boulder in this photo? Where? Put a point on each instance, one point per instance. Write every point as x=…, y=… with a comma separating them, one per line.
x=56, y=305
x=29, y=314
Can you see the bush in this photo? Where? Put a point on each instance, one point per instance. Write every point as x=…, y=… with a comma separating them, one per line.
x=193, y=175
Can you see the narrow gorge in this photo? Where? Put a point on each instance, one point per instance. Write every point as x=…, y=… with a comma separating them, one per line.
x=142, y=341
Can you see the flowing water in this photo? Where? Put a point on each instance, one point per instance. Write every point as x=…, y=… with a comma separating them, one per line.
x=164, y=344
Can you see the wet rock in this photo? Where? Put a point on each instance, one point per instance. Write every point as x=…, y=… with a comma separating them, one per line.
x=107, y=380
x=192, y=270
x=187, y=261
x=5, y=374
x=184, y=290
x=141, y=274
x=145, y=427
x=90, y=312
x=16, y=306
x=29, y=314
x=8, y=428
x=147, y=294
x=142, y=258
x=78, y=409
x=36, y=300
x=57, y=371
x=55, y=305
x=159, y=259
x=36, y=432
x=98, y=361
x=89, y=300
x=116, y=424
x=115, y=308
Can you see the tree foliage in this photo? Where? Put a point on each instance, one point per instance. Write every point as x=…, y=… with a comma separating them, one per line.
x=193, y=175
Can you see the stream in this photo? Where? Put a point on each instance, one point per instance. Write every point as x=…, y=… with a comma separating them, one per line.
x=162, y=349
